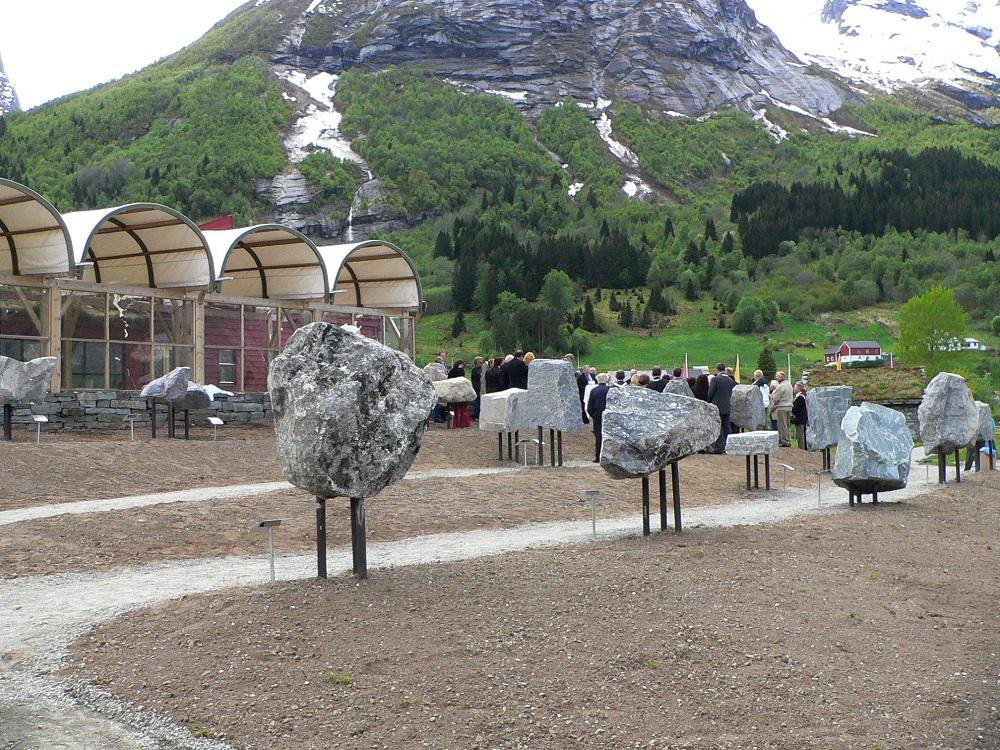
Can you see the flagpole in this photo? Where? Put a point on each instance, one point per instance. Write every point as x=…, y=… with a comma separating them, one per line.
x=790, y=378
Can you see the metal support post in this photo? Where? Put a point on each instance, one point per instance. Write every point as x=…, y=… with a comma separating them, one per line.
x=663, y=499
x=756, y=472
x=748, y=472
x=875, y=497
x=958, y=466
x=500, y=446
x=171, y=425
x=767, y=472
x=541, y=446
x=675, y=484
x=645, y=506
x=321, y=537
x=993, y=454
x=359, y=546
x=559, y=438
x=270, y=549
x=8, y=422
x=552, y=447
x=187, y=425
x=152, y=418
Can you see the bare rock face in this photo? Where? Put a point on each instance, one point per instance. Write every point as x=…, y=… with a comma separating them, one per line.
x=171, y=387
x=644, y=431
x=827, y=407
x=949, y=417
x=553, y=398
x=678, y=387
x=501, y=411
x=455, y=390
x=25, y=382
x=747, y=407
x=435, y=371
x=197, y=397
x=873, y=454
x=349, y=413
x=757, y=443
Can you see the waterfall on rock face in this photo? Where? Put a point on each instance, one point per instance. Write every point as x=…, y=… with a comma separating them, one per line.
x=349, y=234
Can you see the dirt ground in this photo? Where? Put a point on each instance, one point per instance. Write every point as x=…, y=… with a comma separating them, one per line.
x=876, y=628
x=193, y=530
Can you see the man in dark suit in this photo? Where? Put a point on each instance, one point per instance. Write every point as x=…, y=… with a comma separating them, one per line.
x=584, y=378
x=596, y=404
x=495, y=377
x=720, y=393
x=517, y=372
x=658, y=382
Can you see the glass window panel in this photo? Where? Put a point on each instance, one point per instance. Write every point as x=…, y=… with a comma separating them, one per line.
x=255, y=364
x=83, y=364
x=166, y=358
x=174, y=321
x=260, y=327
x=21, y=349
x=83, y=316
x=222, y=367
x=370, y=325
x=128, y=318
x=291, y=321
x=222, y=325
x=22, y=311
x=130, y=366
x=393, y=333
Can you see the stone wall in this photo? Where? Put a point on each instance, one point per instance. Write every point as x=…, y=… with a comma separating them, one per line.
x=112, y=410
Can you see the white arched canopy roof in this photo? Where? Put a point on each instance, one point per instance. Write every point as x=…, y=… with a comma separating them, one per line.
x=33, y=236
x=372, y=274
x=145, y=244
x=267, y=260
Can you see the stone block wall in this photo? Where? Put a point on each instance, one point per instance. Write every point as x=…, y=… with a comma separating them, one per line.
x=113, y=410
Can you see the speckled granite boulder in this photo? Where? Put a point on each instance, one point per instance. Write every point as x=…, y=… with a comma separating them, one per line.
x=747, y=407
x=679, y=387
x=949, y=417
x=436, y=371
x=500, y=411
x=553, y=398
x=987, y=427
x=756, y=443
x=171, y=387
x=644, y=431
x=873, y=454
x=454, y=390
x=197, y=397
x=827, y=407
x=349, y=413
x=25, y=382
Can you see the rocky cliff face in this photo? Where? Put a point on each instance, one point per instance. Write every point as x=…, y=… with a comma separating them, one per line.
x=8, y=97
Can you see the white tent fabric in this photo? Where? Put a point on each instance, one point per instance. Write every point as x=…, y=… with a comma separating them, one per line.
x=142, y=244
x=373, y=274
x=33, y=237
x=267, y=260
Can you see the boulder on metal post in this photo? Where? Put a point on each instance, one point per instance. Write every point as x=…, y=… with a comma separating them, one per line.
x=436, y=371
x=197, y=397
x=746, y=407
x=678, y=387
x=25, y=382
x=949, y=417
x=171, y=387
x=501, y=411
x=349, y=415
x=826, y=407
x=454, y=390
x=553, y=398
x=874, y=451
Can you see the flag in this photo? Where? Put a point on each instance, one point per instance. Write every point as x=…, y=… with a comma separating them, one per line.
x=685, y=373
x=736, y=370
x=838, y=361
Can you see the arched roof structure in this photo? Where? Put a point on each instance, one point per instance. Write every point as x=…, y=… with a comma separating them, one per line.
x=33, y=236
x=144, y=244
x=268, y=260
x=373, y=274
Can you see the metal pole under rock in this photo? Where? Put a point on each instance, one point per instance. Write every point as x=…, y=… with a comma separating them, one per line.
x=767, y=472
x=541, y=446
x=663, y=499
x=151, y=403
x=552, y=447
x=748, y=472
x=359, y=548
x=187, y=425
x=756, y=472
x=958, y=466
x=500, y=446
x=675, y=483
x=942, y=469
x=559, y=438
x=979, y=457
x=321, y=537
x=993, y=454
x=875, y=497
x=171, y=426
x=645, y=506
x=8, y=422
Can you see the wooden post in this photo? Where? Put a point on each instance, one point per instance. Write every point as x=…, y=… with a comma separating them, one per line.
x=663, y=499
x=54, y=333
x=645, y=506
x=675, y=482
x=321, y=537
x=359, y=545
x=198, y=324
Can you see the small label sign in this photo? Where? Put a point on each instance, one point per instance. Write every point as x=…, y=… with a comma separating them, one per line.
x=39, y=418
x=216, y=421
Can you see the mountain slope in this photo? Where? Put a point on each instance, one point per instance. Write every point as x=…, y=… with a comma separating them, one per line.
x=8, y=96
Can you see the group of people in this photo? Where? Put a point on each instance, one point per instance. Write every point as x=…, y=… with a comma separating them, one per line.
x=784, y=404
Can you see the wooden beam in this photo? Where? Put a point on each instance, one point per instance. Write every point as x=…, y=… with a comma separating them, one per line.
x=274, y=268
x=16, y=200
x=273, y=243
x=39, y=230
x=138, y=227
x=386, y=278
x=393, y=256
x=167, y=251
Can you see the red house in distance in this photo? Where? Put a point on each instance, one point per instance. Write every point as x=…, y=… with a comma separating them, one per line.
x=853, y=351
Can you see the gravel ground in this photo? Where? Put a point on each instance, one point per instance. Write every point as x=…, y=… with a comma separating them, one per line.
x=876, y=628
x=191, y=530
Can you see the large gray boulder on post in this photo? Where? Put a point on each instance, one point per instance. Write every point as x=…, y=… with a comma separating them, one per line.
x=500, y=411
x=25, y=382
x=987, y=427
x=171, y=387
x=949, y=417
x=826, y=408
x=436, y=371
x=553, y=398
x=349, y=413
x=679, y=387
x=454, y=390
x=746, y=407
x=873, y=454
x=197, y=397
x=756, y=443
x=644, y=431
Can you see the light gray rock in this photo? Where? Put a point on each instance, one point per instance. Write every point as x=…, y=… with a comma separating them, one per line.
x=678, y=387
x=987, y=427
x=25, y=382
x=436, y=371
x=553, y=398
x=500, y=411
x=454, y=390
x=170, y=387
x=349, y=413
x=644, y=431
x=747, y=407
x=873, y=454
x=761, y=442
x=949, y=417
x=197, y=397
x=826, y=407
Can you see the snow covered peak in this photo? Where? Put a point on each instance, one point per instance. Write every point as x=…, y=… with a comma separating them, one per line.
x=8, y=97
x=888, y=43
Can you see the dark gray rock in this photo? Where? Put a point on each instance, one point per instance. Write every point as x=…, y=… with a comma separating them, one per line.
x=454, y=390
x=349, y=413
x=436, y=371
x=644, y=431
x=949, y=417
x=171, y=387
x=873, y=454
x=197, y=397
x=762, y=442
x=501, y=411
x=747, y=407
x=826, y=407
x=553, y=398
x=25, y=382
x=678, y=387
x=987, y=426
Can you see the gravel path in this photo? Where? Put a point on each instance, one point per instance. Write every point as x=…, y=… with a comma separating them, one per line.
x=43, y=615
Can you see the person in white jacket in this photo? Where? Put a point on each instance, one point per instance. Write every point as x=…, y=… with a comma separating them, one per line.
x=781, y=408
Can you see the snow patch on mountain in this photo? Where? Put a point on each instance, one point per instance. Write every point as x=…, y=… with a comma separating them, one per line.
x=8, y=97
x=319, y=125
x=619, y=149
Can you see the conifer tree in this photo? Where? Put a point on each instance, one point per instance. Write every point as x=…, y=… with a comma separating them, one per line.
x=589, y=321
x=765, y=362
x=458, y=325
